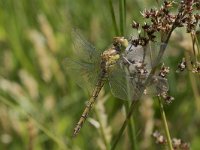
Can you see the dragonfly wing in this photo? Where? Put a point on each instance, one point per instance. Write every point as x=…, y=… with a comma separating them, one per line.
x=84, y=65
x=83, y=48
x=161, y=84
x=84, y=73
x=157, y=86
x=121, y=84
x=134, y=53
x=147, y=53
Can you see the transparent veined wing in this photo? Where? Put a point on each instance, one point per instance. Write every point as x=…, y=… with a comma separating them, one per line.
x=84, y=66
x=146, y=54
x=121, y=84
x=153, y=51
x=84, y=49
x=140, y=62
x=161, y=84
x=137, y=55
x=157, y=85
x=85, y=74
x=134, y=53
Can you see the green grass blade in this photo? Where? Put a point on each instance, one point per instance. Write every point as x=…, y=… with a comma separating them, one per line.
x=113, y=17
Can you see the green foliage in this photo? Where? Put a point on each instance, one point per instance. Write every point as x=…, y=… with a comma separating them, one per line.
x=40, y=103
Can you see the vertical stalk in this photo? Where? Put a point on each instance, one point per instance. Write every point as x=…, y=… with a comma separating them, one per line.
x=122, y=16
x=113, y=17
x=131, y=130
x=169, y=141
x=131, y=127
x=124, y=124
x=194, y=84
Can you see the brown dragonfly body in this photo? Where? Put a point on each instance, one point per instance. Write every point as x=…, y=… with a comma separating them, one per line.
x=108, y=60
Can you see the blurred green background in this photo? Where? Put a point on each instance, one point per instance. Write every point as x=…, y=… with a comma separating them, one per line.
x=40, y=103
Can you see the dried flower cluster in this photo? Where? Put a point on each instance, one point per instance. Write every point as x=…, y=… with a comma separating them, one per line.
x=186, y=16
x=182, y=65
x=177, y=144
x=159, y=138
x=165, y=93
x=194, y=66
x=163, y=71
x=164, y=22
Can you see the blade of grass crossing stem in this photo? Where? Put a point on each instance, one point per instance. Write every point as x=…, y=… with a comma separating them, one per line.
x=113, y=17
x=169, y=141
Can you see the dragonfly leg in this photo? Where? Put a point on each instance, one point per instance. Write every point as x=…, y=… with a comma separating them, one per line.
x=127, y=60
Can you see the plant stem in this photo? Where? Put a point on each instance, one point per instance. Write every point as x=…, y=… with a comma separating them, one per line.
x=135, y=146
x=131, y=129
x=113, y=17
x=124, y=124
x=169, y=141
x=122, y=16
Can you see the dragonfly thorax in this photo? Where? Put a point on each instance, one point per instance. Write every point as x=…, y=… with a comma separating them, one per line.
x=109, y=58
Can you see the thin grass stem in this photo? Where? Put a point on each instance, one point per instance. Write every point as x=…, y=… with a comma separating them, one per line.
x=124, y=125
x=169, y=141
x=131, y=129
x=113, y=17
x=122, y=16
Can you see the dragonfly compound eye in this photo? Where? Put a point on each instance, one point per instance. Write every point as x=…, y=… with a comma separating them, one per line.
x=120, y=43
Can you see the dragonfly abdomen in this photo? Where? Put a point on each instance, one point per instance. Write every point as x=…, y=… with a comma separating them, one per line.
x=90, y=103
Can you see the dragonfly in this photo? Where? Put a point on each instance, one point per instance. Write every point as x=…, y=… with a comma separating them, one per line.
x=95, y=68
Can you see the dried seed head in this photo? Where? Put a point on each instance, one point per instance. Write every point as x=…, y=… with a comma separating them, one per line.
x=160, y=139
x=135, y=25
x=164, y=71
x=196, y=68
x=168, y=99
x=176, y=143
x=179, y=144
x=182, y=65
x=164, y=21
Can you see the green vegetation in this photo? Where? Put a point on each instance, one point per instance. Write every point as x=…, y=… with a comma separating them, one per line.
x=40, y=103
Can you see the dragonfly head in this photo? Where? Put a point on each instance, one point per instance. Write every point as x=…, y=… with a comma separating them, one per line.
x=120, y=43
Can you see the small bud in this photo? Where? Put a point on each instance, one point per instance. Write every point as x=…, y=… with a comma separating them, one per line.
x=135, y=25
